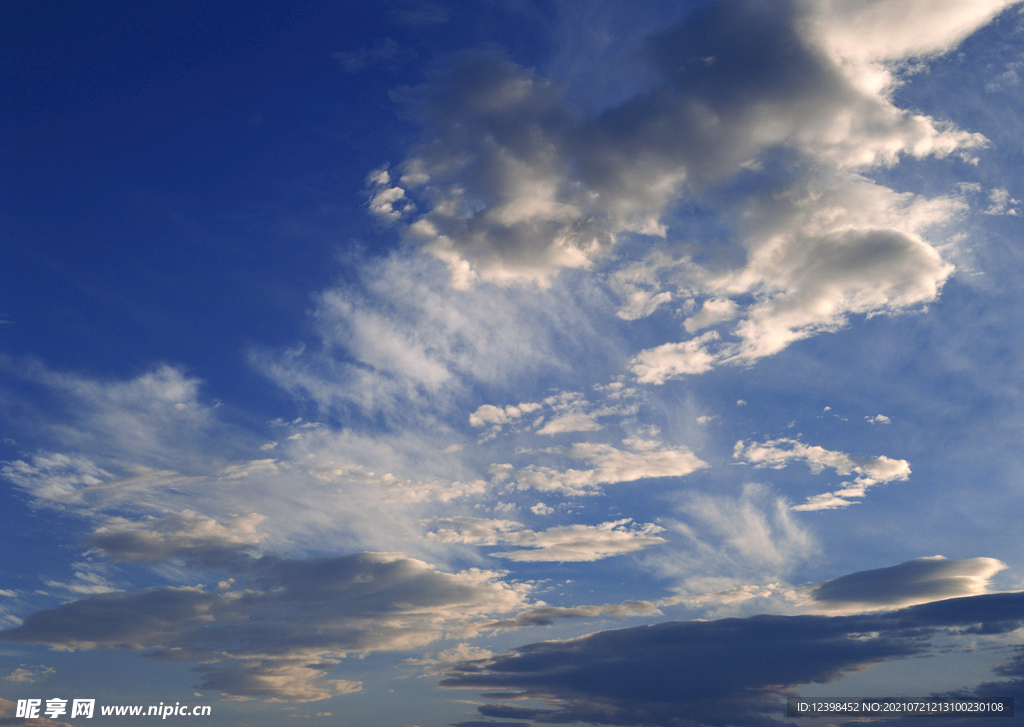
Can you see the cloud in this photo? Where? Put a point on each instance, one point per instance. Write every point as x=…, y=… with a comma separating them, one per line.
x=434, y=664
x=1002, y=203
x=728, y=542
x=29, y=674
x=157, y=416
x=401, y=343
x=768, y=118
x=643, y=459
x=383, y=53
x=731, y=671
x=778, y=453
x=671, y=360
x=563, y=543
x=561, y=413
x=180, y=535
x=917, y=581
x=547, y=615
x=519, y=186
x=281, y=624
x=490, y=414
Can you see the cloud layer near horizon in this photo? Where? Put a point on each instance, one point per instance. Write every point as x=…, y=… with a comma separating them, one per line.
x=731, y=671
x=278, y=625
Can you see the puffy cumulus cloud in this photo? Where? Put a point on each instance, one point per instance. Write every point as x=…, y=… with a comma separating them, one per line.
x=671, y=360
x=921, y=580
x=778, y=453
x=515, y=185
x=643, y=459
x=875, y=30
x=475, y=531
x=281, y=624
x=490, y=414
x=767, y=116
x=732, y=671
x=494, y=176
x=818, y=250
x=564, y=543
x=584, y=542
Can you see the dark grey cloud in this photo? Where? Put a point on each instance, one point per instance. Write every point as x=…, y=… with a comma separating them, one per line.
x=726, y=672
x=198, y=540
x=986, y=691
x=276, y=629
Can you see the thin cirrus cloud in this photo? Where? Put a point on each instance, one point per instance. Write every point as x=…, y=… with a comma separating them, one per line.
x=563, y=543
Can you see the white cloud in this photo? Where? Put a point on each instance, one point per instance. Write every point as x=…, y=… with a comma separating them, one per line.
x=1002, y=203
x=574, y=422
x=879, y=419
x=639, y=287
x=730, y=542
x=584, y=542
x=880, y=30
x=778, y=453
x=29, y=674
x=490, y=414
x=563, y=543
x=400, y=342
x=714, y=310
x=671, y=360
x=643, y=459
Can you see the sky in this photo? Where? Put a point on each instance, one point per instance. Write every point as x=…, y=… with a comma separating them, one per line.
x=510, y=363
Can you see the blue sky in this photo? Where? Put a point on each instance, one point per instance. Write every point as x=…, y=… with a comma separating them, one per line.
x=520, y=363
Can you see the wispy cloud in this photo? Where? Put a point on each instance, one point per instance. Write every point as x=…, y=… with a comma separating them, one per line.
x=563, y=543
